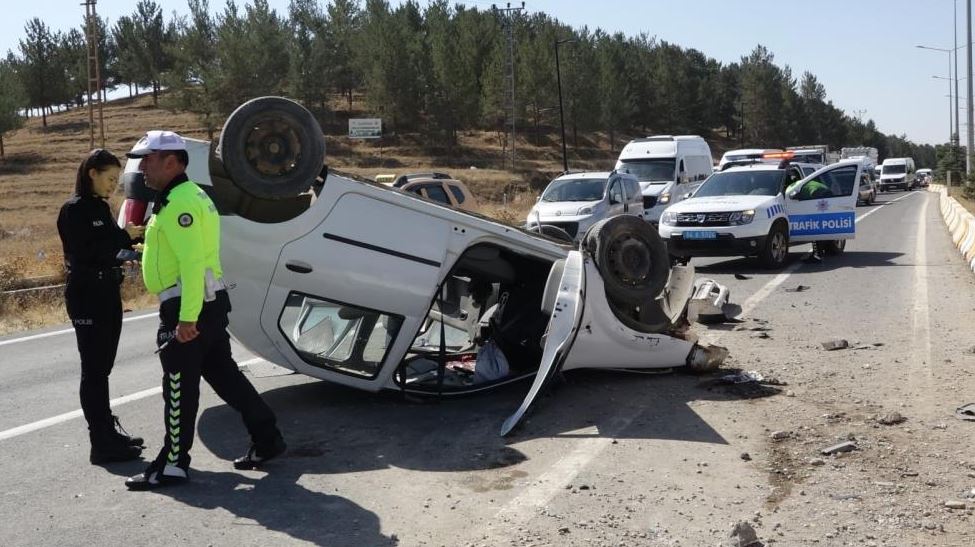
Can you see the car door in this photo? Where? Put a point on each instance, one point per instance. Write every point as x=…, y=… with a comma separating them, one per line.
x=565, y=294
x=824, y=214
x=616, y=197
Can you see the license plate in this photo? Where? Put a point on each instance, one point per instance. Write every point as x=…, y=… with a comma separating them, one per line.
x=700, y=234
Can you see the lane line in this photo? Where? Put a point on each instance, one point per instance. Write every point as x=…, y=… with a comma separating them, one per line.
x=523, y=507
x=61, y=418
x=921, y=338
x=64, y=331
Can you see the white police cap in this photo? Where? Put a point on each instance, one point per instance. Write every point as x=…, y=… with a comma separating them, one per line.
x=154, y=141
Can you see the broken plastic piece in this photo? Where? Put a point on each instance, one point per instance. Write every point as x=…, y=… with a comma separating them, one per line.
x=966, y=412
x=707, y=303
x=798, y=288
x=848, y=446
x=706, y=358
x=742, y=377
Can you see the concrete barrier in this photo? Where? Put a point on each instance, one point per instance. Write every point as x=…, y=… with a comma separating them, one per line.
x=960, y=223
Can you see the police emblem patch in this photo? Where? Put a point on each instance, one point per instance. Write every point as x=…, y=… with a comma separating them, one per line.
x=185, y=220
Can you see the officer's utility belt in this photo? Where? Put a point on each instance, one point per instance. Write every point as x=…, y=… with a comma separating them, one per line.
x=114, y=273
x=211, y=284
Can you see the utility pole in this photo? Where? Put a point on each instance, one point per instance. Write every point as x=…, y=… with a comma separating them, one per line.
x=558, y=78
x=94, y=75
x=956, y=141
x=506, y=16
x=968, y=65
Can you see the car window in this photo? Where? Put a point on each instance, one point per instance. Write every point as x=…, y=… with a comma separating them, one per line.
x=652, y=170
x=338, y=336
x=457, y=192
x=741, y=183
x=436, y=193
x=841, y=181
x=616, y=192
x=575, y=190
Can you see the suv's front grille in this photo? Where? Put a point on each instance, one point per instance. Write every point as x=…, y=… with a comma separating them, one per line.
x=649, y=201
x=702, y=219
x=571, y=228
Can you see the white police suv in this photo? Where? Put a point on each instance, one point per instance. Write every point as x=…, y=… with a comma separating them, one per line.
x=761, y=209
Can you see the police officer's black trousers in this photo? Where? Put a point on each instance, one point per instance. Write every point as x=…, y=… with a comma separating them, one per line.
x=208, y=355
x=95, y=308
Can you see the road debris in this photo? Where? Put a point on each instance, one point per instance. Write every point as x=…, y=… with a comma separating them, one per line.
x=966, y=412
x=892, y=418
x=798, y=288
x=745, y=456
x=847, y=446
x=955, y=504
x=780, y=435
x=833, y=345
x=742, y=276
x=742, y=535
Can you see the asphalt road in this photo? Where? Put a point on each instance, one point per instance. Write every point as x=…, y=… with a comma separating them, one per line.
x=614, y=459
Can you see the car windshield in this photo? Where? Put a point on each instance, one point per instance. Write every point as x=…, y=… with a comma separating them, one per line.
x=894, y=169
x=809, y=157
x=575, y=190
x=651, y=170
x=742, y=183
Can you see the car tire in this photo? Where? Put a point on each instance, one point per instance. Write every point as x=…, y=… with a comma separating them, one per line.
x=631, y=258
x=272, y=148
x=832, y=247
x=776, y=248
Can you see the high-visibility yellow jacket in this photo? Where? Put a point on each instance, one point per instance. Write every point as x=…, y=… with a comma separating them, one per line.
x=182, y=243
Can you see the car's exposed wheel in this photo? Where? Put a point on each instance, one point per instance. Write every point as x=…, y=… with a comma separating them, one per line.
x=833, y=247
x=272, y=147
x=776, y=248
x=631, y=258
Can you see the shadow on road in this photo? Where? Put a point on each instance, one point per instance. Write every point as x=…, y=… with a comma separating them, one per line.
x=331, y=429
x=277, y=502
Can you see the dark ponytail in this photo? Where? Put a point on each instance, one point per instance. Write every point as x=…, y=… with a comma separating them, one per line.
x=98, y=159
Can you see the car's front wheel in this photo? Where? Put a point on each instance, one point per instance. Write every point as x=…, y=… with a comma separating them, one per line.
x=776, y=248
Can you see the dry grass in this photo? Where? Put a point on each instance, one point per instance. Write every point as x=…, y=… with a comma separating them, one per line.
x=41, y=164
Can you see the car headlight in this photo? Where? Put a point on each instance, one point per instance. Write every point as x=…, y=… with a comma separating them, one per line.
x=664, y=198
x=668, y=218
x=584, y=211
x=741, y=217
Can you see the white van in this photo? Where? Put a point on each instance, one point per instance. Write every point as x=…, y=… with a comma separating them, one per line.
x=897, y=173
x=668, y=168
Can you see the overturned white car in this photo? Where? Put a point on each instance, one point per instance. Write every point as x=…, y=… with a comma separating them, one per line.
x=367, y=286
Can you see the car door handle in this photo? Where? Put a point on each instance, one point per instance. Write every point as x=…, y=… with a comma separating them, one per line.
x=298, y=267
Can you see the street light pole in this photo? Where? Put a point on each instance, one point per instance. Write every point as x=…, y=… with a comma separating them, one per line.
x=951, y=133
x=558, y=79
x=968, y=65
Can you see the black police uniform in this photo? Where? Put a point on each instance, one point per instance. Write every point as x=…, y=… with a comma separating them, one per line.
x=91, y=240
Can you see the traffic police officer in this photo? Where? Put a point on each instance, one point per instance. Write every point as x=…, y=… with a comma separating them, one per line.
x=181, y=263
x=91, y=241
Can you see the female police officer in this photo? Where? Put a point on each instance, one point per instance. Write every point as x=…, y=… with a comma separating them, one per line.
x=91, y=241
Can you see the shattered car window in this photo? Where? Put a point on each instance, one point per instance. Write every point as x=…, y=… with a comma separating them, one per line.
x=338, y=336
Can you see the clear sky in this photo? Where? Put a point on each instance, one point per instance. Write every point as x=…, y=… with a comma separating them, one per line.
x=862, y=51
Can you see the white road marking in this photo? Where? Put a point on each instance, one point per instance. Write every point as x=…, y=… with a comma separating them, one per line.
x=65, y=331
x=523, y=507
x=921, y=338
x=61, y=418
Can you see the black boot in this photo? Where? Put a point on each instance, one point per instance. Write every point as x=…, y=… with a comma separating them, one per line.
x=258, y=455
x=124, y=435
x=108, y=447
